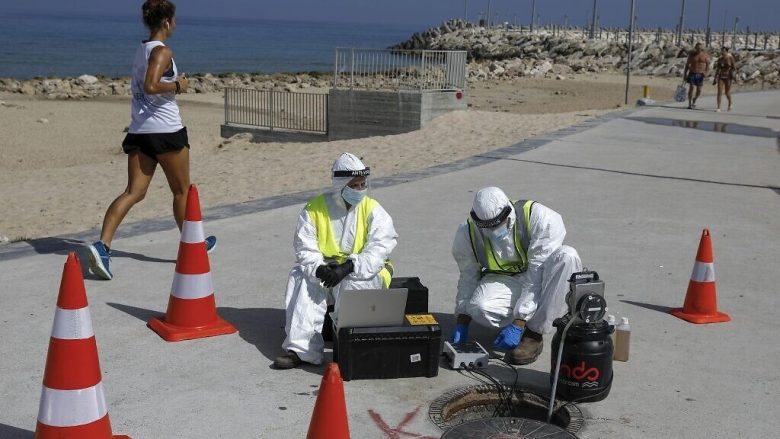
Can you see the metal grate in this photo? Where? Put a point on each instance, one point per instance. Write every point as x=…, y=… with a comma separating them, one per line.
x=276, y=109
x=507, y=428
x=384, y=69
x=478, y=402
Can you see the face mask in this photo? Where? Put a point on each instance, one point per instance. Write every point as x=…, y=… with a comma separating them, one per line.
x=352, y=196
x=501, y=232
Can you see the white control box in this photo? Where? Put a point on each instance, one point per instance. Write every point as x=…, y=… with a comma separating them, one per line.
x=466, y=354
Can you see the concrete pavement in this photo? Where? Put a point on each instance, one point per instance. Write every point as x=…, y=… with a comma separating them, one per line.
x=635, y=190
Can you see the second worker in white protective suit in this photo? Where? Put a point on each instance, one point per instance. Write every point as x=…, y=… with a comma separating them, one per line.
x=342, y=242
x=513, y=272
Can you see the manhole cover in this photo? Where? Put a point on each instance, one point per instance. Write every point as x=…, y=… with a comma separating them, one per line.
x=507, y=428
x=485, y=402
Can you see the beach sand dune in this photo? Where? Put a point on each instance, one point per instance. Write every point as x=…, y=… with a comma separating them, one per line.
x=62, y=162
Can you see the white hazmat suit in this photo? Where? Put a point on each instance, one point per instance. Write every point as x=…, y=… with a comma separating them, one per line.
x=306, y=298
x=536, y=295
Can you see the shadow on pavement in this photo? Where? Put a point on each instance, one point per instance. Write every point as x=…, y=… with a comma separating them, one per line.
x=62, y=246
x=139, y=313
x=261, y=327
x=139, y=257
x=9, y=432
x=56, y=246
x=650, y=306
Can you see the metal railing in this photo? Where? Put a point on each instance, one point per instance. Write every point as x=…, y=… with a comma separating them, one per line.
x=276, y=109
x=386, y=69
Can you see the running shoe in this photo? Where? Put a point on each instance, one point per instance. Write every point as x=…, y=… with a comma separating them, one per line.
x=99, y=260
x=211, y=243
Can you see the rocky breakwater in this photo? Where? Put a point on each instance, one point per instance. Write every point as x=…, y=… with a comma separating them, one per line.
x=88, y=86
x=507, y=52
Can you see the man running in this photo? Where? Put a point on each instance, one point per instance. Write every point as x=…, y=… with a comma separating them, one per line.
x=696, y=68
x=725, y=72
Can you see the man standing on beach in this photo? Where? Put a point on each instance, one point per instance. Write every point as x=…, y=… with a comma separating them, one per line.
x=696, y=68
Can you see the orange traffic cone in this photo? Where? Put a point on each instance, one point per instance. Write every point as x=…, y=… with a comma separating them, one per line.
x=73, y=401
x=192, y=310
x=329, y=420
x=701, y=304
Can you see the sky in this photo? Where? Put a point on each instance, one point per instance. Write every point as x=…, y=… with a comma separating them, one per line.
x=762, y=15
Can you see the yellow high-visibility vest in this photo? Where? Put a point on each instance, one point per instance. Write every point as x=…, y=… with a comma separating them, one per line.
x=521, y=231
x=326, y=237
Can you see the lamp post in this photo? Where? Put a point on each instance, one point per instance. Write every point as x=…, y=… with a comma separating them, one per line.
x=709, y=9
x=593, y=20
x=533, y=13
x=630, y=47
x=682, y=23
x=465, y=10
x=488, y=15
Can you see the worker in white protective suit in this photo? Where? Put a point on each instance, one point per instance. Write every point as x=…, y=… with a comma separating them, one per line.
x=514, y=271
x=342, y=242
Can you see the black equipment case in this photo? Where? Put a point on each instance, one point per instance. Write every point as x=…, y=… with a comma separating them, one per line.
x=417, y=299
x=391, y=351
x=388, y=351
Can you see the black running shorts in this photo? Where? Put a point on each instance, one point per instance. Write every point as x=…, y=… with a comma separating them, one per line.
x=152, y=144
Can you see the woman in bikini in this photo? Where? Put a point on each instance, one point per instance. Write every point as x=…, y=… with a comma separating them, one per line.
x=725, y=69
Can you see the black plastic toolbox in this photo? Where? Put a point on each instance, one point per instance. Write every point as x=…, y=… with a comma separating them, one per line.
x=388, y=351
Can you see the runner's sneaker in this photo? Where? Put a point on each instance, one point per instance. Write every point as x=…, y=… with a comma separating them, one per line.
x=211, y=243
x=99, y=259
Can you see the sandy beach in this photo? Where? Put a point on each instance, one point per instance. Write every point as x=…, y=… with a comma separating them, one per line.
x=62, y=162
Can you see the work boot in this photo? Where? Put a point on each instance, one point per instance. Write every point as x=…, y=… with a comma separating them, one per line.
x=289, y=360
x=528, y=350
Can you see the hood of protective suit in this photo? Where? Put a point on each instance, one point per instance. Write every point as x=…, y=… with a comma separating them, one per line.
x=346, y=162
x=489, y=204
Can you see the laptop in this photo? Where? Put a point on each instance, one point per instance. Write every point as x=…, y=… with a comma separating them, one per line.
x=370, y=308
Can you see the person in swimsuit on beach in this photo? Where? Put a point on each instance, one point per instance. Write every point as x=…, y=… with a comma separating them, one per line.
x=156, y=134
x=725, y=73
x=696, y=68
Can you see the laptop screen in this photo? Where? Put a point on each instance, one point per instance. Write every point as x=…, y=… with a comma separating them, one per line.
x=370, y=308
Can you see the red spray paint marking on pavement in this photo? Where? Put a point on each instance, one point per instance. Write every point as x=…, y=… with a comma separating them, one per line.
x=397, y=432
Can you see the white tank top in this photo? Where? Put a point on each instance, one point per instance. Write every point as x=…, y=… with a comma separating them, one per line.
x=156, y=113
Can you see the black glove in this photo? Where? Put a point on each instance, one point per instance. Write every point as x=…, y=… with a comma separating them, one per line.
x=322, y=273
x=337, y=272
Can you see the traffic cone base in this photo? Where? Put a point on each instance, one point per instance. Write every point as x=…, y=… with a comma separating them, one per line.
x=100, y=429
x=718, y=317
x=178, y=333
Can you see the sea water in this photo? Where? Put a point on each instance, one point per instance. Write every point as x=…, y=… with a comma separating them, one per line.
x=59, y=46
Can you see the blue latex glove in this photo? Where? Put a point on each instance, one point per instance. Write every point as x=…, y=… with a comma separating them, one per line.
x=509, y=337
x=460, y=334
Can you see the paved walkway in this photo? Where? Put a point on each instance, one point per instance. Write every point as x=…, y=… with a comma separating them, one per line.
x=635, y=190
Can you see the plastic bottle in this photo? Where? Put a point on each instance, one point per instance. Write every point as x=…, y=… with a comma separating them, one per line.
x=622, y=339
x=611, y=322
